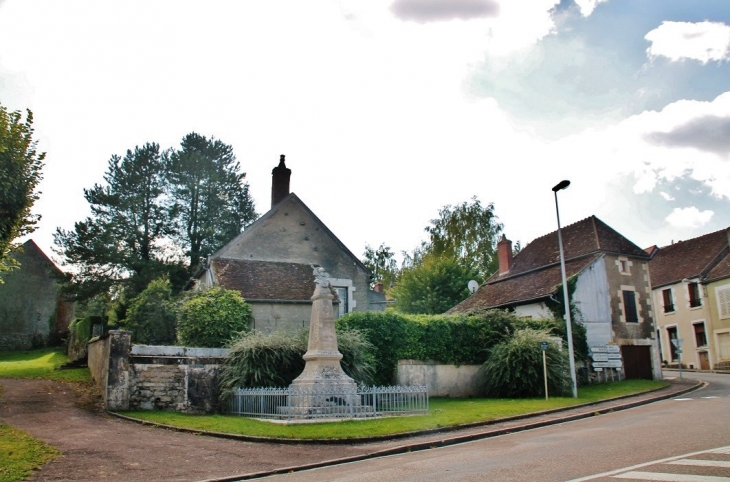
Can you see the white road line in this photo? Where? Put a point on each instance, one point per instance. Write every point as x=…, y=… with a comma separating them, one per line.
x=711, y=397
x=671, y=477
x=719, y=450
x=702, y=463
x=681, y=399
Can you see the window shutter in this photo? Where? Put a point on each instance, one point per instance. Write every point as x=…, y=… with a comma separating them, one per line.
x=723, y=300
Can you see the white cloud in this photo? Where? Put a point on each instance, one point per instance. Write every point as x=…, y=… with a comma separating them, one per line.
x=690, y=217
x=423, y=11
x=587, y=6
x=666, y=196
x=702, y=41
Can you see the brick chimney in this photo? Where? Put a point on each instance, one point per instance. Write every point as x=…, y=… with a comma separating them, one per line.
x=378, y=288
x=504, y=251
x=279, y=182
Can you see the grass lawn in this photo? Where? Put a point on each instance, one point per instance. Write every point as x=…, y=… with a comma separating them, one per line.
x=42, y=363
x=444, y=412
x=20, y=454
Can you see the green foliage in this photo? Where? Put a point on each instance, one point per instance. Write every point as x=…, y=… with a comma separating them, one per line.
x=82, y=328
x=210, y=200
x=20, y=173
x=213, y=317
x=557, y=306
x=467, y=232
x=452, y=339
x=120, y=243
x=432, y=287
x=42, y=363
x=275, y=359
x=152, y=314
x=382, y=265
x=514, y=367
x=21, y=454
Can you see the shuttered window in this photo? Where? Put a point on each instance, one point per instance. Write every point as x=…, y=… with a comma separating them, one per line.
x=723, y=301
x=630, y=312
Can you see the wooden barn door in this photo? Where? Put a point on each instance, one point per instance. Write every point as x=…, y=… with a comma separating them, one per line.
x=637, y=361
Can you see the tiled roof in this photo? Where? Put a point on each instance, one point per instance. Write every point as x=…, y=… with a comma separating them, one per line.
x=265, y=280
x=537, y=284
x=722, y=270
x=688, y=259
x=535, y=271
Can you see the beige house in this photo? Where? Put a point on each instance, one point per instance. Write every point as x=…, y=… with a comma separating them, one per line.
x=270, y=264
x=612, y=293
x=691, y=291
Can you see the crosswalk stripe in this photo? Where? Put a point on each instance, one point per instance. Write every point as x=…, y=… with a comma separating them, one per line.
x=671, y=477
x=701, y=463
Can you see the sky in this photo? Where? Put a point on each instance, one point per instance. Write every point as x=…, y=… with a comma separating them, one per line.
x=388, y=110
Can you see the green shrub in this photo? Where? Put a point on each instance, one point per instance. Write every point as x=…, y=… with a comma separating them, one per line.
x=213, y=317
x=514, y=368
x=151, y=315
x=275, y=359
x=81, y=328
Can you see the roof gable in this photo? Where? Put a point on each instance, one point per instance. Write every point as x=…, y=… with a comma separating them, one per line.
x=696, y=257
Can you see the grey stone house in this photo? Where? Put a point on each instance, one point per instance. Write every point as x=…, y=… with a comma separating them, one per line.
x=612, y=289
x=270, y=264
x=32, y=312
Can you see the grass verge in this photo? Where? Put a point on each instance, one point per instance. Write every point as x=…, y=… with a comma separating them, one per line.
x=42, y=363
x=21, y=454
x=444, y=412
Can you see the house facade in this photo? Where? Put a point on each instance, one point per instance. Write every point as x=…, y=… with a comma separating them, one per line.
x=270, y=264
x=32, y=312
x=609, y=279
x=691, y=291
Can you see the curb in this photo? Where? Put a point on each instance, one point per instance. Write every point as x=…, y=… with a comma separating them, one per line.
x=384, y=438
x=467, y=438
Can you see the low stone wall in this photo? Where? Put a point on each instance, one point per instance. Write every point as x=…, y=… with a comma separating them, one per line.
x=442, y=380
x=138, y=377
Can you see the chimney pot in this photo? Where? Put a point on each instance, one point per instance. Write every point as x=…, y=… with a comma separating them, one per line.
x=280, y=176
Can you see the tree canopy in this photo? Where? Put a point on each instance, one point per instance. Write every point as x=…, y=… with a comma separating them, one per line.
x=20, y=173
x=210, y=200
x=381, y=263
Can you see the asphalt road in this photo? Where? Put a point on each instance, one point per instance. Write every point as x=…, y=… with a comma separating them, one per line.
x=588, y=448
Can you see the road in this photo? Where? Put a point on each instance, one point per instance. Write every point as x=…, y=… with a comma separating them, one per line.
x=588, y=448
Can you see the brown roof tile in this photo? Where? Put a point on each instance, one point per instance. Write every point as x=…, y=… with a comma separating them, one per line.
x=265, y=280
x=688, y=259
x=722, y=270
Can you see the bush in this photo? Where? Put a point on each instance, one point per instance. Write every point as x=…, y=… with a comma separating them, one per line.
x=213, y=317
x=151, y=315
x=275, y=359
x=514, y=368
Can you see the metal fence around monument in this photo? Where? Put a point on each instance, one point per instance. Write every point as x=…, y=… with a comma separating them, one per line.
x=292, y=403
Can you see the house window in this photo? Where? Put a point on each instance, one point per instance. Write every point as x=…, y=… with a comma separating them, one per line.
x=694, y=295
x=343, y=296
x=700, y=336
x=668, y=301
x=672, y=334
x=630, y=313
x=624, y=266
x=723, y=301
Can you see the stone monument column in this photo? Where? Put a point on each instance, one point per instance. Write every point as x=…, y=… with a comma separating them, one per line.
x=322, y=369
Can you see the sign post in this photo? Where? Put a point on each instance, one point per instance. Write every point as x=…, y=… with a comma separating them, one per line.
x=543, y=347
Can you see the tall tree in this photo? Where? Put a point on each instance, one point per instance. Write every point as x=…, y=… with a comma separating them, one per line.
x=121, y=243
x=20, y=173
x=381, y=263
x=467, y=232
x=211, y=201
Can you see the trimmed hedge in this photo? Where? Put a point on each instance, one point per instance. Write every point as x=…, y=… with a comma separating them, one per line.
x=212, y=318
x=449, y=339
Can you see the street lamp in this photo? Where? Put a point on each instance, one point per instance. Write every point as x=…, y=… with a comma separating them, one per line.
x=560, y=186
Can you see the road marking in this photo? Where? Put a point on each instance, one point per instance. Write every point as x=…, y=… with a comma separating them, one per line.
x=671, y=477
x=681, y=399
x=702, y=463
x=711, y=397
x=718, y=450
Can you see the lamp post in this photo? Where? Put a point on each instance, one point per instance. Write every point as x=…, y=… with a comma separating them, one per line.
x=560, y=186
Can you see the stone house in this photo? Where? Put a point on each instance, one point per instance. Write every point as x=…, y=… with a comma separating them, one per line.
x=691, y=290
x=32, y=312
x=612, y=294
x=270, y=264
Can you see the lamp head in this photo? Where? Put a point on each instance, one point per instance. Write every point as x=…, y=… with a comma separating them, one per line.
x=561, y=185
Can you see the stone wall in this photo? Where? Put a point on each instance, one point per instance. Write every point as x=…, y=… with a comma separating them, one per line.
x=442, y=380
x=140, y=377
